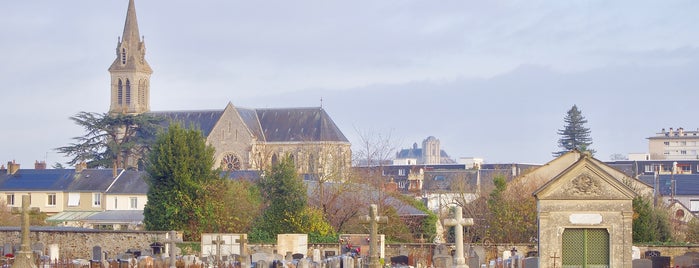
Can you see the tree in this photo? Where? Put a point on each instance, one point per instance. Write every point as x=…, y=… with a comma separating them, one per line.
x=116, y=141
x=574, y=134
x=512, y=217
x=650, y=224
x=179, y=168
x=285, y=198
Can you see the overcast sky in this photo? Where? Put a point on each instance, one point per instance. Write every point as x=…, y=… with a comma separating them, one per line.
x=490, y=79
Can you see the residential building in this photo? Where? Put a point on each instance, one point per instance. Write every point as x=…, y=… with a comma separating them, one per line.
x=671, y=144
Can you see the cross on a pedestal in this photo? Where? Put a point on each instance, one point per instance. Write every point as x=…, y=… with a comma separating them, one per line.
x=218, y=242
x=25, y=257
x=459, y=222
x=171, y=240
x=374, y=219
x=243, y=259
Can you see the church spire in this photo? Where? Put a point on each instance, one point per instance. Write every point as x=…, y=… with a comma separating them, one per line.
x=131, y=34
x=130, y=88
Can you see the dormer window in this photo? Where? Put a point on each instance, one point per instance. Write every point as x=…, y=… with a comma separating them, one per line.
x=123, y=55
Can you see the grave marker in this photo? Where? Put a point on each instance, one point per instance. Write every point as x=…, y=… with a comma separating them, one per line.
x=24, y=258
x=459, y=222
x=374, y=219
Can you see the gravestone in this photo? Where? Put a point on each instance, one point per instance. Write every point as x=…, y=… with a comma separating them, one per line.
x=54, y=252
x=459, y=222
x=374, y=219
x=442, y=257
x=530, y=262
x=474, y=260
x=97, y=253
x=635, y=253
x=401, y=259
x=303, y=263
x=262, y=264
x=642, y=263
x=660, y=261
x=7, y=248
x=316, y=255
x=294, y=243
x=263, y=256
x=688, y=260
x=347, y=261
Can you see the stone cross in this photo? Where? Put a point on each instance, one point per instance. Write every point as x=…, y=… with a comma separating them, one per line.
x=25, y=257
x=374, y=219
x=172, y=239
x=459, y=222
x=244, y=258
x=218, y=242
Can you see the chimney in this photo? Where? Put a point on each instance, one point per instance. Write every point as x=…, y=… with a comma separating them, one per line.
x=39, y=165
x=12, y=167
x=79, y=167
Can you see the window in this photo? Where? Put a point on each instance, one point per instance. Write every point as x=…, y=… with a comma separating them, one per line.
x=683, y=151
x=133, y=201
x=116, y=201
x=120, y=92
x=123, y=55
x=96, y=199
x=73, y=199
x=694, y=205
x=684, y=168
x=128, y=92
x=10, y=199
x=230, y=162
x=649, y=169
x=51, y=199
x=667, y=143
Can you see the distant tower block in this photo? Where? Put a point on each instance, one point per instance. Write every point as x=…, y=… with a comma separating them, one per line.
x=431, y=154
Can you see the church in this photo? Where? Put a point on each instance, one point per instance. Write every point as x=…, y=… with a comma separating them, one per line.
x=244, y=138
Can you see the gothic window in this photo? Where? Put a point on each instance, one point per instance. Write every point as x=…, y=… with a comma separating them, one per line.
x=120, y=92
x=275, y=160
x=230, y=162
x=128, y=92
x=123, y=55
x=142, y=92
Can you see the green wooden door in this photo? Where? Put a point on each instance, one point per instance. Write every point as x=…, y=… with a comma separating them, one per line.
x=585, y=248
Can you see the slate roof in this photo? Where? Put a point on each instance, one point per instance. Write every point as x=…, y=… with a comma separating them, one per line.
x=130, y=182
x=298, y=124
x=204, y=120
x=271, y=125
x=91, y=180
x=685, y=184
x=37, y=180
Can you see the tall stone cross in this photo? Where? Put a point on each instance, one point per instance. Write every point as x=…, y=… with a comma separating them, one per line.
x=25, y=257
x=218, y=242
x=244, y=259
x=459, y=222
x=171, y=240
x=374, y=219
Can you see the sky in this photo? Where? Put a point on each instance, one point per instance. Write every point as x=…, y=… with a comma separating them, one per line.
x=489, y=79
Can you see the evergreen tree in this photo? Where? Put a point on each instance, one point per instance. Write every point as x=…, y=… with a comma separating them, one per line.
x=287, y=211
x=112, y=140
x=650, y=224
x=574, y=134
x=179, y=168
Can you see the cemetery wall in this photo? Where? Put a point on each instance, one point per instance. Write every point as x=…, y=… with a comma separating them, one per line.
x=669, y=250
x=79, y=244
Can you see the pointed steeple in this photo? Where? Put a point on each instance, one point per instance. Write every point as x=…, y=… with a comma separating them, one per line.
x=131, y=34
x=130, y=87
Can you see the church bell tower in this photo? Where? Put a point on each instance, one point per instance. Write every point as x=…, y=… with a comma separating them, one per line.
x=130, y=73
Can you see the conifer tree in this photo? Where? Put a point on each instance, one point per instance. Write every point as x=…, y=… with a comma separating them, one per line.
x=574, y=134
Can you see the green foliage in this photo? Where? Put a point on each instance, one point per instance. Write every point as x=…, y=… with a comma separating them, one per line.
x=692, y=235
x=427, y=226
x=111, y=140
x=179, y=168
x=512, y=217
x=284, y=194
x=235, y=205
x=650, y=224
x=574, y=134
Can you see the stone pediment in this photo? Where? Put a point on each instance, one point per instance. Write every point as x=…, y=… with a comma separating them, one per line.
x=584, y=180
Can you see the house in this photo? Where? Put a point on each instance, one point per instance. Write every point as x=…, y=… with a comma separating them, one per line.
x=671, y=144
x=78, y=197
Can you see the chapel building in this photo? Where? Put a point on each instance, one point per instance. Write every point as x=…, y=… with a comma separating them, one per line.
x=244, y=138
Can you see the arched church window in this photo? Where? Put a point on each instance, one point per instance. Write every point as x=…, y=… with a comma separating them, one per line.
x=123, y=55
x=142, y=92
x=230, y=162
x=120, y=92
x=128, y=92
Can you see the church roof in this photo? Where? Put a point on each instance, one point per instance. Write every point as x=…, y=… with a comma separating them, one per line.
x=271, y=125
x=298, y=124
x=204, y=120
